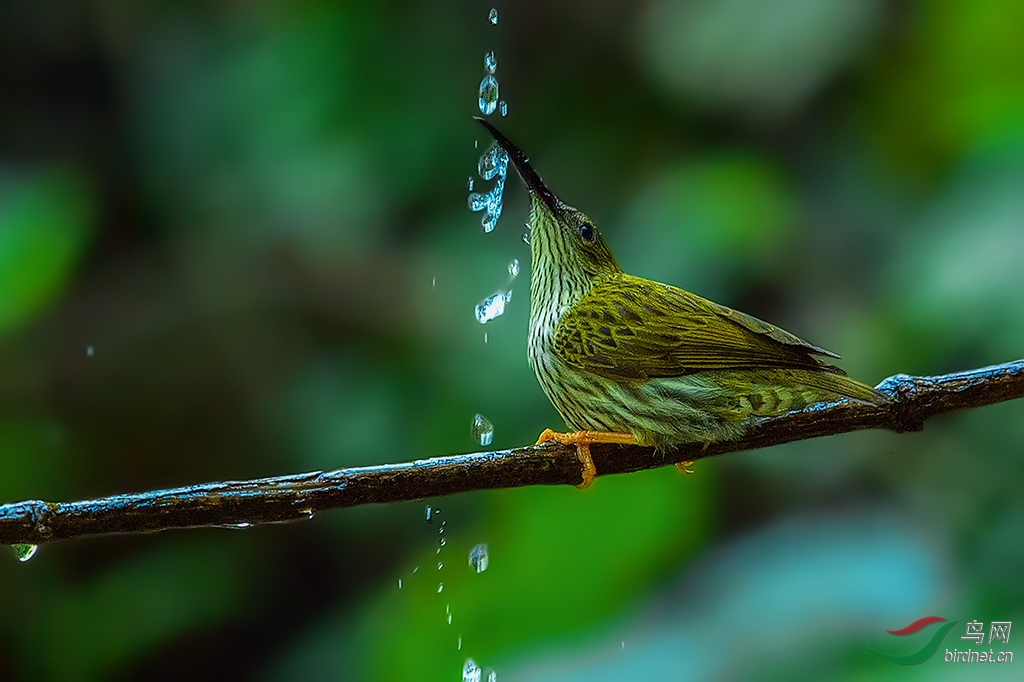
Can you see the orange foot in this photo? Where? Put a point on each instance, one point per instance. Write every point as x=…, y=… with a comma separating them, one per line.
x=685, y=467
x=582, y=441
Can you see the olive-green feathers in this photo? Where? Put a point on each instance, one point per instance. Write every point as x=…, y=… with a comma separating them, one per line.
x=630, y=328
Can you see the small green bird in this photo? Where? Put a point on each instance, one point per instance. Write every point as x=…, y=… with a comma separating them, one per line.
x=628, y=360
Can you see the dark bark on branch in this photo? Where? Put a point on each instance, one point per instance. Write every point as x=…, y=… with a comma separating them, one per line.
x=285, y=498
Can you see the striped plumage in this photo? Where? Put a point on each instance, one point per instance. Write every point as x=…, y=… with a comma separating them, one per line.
x=617, y=353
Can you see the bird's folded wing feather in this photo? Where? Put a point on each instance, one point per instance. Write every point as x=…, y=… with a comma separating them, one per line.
x=630, y=328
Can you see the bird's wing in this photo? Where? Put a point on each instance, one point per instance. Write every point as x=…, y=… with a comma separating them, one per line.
x=630, y=328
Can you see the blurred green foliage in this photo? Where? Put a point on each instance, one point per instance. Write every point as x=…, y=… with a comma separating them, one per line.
x=234, y=242
x=44, y=225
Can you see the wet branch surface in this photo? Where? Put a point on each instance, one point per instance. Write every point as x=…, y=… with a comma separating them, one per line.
x=287, y=498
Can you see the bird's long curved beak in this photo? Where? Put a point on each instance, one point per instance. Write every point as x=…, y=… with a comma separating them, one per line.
x=533, y=182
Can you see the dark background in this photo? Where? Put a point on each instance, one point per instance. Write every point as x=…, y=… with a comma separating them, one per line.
x=254, y=215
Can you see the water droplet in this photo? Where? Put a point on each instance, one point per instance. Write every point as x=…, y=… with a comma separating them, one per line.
x=504, y=108
x=483, y=430
x=415, y=569
x=430, y=514
x=489, y=220
x=476, y=144
x=471, y=671
x=89, y=351
x=493, y=17
x=471, y=184
x=526, y=238
x=478, y=558
x=443, y=523
x=399, y=583
x=477, y=201
x=513, y=267
x=433, y=282
x=25, y=552
x=439, y=565
x=623, y=645
x=442, y=542
x=449, y=619
x=488, y=95
x=460, y=644
x=485, y=337
x=440, y=588
x=493, y=162
x=490, y=63
x=493, y=306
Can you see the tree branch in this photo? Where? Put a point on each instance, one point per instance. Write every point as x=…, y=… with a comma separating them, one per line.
x=286, y=498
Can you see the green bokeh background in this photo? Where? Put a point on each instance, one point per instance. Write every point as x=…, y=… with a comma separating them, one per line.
x=234, y=242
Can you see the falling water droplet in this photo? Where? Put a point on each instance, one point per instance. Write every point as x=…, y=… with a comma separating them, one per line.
x=490, y=204
x=483, y=430
x=460, y=644
x=415, y=569
x=477, y=201
x=493, y=306
x=526, y=238
x=471, y=671
x=449, y=619
x=489, y=220
x=440, y=588
x=493, y=17
x=439, y=565
x=478, y=558
x=89, y=351
x=430, y=514
x=488, y=95
x=490, y=63
x=433, y=281
x=485, y=337
x=470, y=184
x=25, y=552
x=504, y=108
x=493, y=162
x=442, y=542
x=513, y=267
x=399, y=583
x=623, y=645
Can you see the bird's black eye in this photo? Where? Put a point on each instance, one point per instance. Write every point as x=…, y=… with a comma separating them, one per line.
x=586, y=232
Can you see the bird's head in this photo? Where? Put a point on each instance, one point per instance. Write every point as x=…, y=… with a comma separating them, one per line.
x=561, y=237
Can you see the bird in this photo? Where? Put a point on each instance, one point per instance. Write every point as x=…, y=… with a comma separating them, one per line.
x=633, y=361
